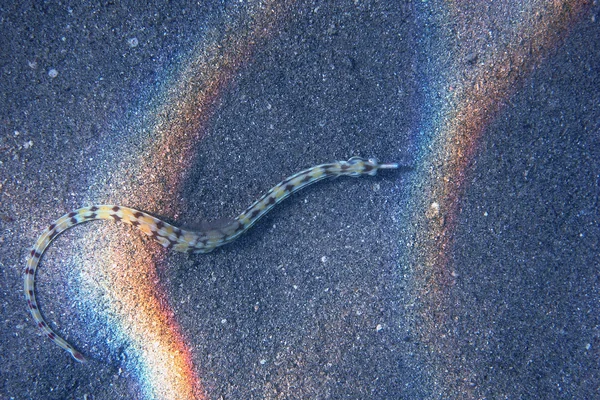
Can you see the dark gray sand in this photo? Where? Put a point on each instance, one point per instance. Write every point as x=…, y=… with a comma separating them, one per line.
x=314, y=298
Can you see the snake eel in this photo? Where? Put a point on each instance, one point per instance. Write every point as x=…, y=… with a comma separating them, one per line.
x=178, y=239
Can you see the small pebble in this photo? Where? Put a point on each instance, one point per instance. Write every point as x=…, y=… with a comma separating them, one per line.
x=133, y=42
x=52, y=73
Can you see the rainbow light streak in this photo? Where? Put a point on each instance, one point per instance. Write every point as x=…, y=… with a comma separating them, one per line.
x=132, y=306
x=190, y=102
x=132, y=303
x=475, y=97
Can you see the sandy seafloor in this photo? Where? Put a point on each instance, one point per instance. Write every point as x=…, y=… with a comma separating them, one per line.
x=193, y=111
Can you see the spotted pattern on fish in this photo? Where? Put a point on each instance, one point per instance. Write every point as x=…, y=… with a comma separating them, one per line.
x=179, y=239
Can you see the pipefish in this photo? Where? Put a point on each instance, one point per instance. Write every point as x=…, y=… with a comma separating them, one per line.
x=178, y=239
